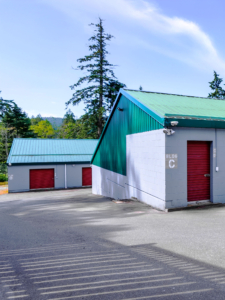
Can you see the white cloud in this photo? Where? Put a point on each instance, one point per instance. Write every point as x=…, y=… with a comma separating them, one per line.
x=201, y=54
x=43, y=114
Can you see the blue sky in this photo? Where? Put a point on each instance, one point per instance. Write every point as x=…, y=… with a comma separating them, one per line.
x=168, y=46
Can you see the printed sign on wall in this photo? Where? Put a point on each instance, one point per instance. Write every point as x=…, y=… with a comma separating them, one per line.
x=171, y=161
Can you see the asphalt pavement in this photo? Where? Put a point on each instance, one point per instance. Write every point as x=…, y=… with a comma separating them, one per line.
x=70, y=244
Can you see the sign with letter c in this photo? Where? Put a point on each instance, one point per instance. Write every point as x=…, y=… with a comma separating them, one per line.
x=171, y=161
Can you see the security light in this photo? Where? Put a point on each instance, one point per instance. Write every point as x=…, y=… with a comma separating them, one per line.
x=174, y=123
x=120, y=109
x=168, y=131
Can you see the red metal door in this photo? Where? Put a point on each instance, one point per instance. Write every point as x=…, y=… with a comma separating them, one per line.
x=86, y=176
x=198, y=170
x=41, y=179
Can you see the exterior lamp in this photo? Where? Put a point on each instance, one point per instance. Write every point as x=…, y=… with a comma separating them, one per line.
x=174, y=123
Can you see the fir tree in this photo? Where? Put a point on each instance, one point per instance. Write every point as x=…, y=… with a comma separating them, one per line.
x=36, y=120
x=5, y=105
x=69, y=117
x=13, y=123
x=18, y=121
x=218, y=92
x=102, y=84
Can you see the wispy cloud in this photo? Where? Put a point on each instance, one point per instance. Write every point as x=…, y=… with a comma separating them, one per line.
x=43, y=114
x=201, y=54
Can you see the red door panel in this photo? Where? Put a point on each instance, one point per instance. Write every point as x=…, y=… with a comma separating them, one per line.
x=42, y=179
x=86, y=176
x=198, y=164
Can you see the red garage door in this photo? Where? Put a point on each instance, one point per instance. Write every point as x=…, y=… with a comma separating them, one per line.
x=86, y=176
x=198, y=171
x=41, y=179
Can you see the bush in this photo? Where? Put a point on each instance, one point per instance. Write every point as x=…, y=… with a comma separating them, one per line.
x=3, y=177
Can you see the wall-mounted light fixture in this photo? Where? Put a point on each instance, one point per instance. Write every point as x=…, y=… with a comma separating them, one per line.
x=120, y=109
x=168, y=131
x=174, y=123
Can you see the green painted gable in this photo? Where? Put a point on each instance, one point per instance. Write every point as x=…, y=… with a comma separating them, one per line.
x=145, y=111
x=110, y=153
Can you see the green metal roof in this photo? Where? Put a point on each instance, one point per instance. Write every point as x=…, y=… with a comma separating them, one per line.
x=178, y=105
x=38, y=151
x=189, y=111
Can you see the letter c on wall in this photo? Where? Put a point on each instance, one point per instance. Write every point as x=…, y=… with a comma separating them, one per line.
x=171, y=163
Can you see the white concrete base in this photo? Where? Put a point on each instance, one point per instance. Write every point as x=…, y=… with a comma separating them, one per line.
x=116, y=186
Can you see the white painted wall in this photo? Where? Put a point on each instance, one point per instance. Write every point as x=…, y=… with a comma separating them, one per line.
x=145, y=178
x=108, y=183
x=146, y=167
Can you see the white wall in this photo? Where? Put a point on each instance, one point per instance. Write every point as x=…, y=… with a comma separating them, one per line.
x=146, y=167
x=145, y=178
x=108, y=183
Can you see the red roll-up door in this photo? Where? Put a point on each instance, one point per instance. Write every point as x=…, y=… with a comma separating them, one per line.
x=86, y=176
x=41, y=179
x=198, y=170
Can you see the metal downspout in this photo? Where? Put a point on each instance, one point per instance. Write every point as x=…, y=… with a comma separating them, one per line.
x=65, y=178
x=216, y=148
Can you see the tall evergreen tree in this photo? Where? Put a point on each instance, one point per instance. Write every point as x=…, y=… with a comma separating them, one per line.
x=67, y=129
x=5, y=105
x=13, y=123
x=69, y=117
x=18, y=122
x=218, y=92
x=102, y=85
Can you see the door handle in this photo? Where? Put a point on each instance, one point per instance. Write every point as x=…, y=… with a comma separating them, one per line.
x=207, y=175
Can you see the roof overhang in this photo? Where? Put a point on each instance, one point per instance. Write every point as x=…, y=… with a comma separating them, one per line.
x=194, y=121
x=49, y=163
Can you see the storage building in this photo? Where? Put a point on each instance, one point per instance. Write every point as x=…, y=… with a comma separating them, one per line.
x=49, y=163
x=165, y=150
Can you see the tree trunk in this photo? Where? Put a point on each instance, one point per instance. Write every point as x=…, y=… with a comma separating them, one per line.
x=101, y=79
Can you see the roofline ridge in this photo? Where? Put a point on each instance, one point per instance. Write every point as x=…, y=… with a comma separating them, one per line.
x=169, y=94
x=55, y=139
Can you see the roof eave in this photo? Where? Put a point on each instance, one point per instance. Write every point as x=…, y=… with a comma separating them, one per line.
x=48, y=163
x=194, y=121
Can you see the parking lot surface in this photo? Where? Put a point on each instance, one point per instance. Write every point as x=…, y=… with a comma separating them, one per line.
x=70, y=244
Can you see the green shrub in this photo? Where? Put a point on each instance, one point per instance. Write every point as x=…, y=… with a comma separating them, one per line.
x=3, y=177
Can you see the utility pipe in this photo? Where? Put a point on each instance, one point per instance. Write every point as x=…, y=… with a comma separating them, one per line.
x=65, y=178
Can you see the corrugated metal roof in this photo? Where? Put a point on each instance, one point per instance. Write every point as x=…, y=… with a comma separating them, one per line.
x=178, y=105
x=51, y=151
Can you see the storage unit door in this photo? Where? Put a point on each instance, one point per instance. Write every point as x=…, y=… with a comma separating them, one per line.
x=86, y=176
x=41, y=179
x=198, y=171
